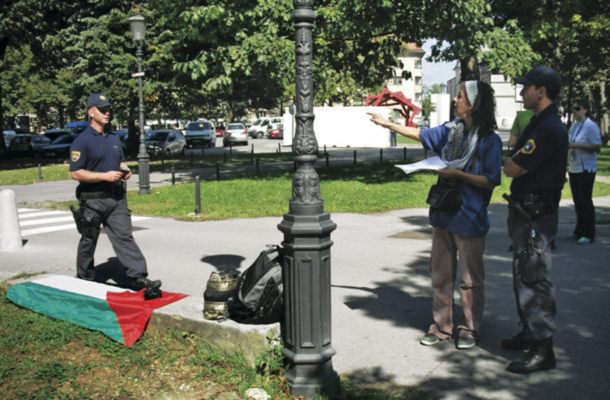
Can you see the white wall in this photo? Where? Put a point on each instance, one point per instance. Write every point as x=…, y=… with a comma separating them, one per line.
x=443, y=106
x=344, y=127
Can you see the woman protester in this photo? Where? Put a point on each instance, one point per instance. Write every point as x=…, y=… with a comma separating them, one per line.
x=473, y=154
x=585, y=143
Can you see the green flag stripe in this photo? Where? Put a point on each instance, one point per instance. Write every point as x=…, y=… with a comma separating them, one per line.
x=89, y=312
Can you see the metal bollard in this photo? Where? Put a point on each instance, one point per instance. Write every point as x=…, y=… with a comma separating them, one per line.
x=198, y=195
x=279, y=148
x=173, y=176
x=325, y=148
x=252, y=155
x=231, y=149
x=404, y=153
x=39, y=172
x=354, y=156
x=381, y=156
x=277, y=156
x=217, y=171
x=327, y=160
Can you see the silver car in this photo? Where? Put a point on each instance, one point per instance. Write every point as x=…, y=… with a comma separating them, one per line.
x=166, y=142
x=235, y=133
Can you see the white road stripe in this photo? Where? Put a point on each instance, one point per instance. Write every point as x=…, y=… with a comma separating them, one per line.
x=26, y=210
x=44, y=214
x=46, y=221
x=57, y=217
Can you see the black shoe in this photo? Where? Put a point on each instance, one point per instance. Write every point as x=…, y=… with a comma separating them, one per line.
x=541, y=357
x=517, y=342
x=141, y=282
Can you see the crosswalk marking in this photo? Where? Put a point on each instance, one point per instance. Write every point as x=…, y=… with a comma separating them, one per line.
x=54, y=221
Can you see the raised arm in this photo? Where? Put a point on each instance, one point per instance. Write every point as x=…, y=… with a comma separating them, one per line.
x=409, y=132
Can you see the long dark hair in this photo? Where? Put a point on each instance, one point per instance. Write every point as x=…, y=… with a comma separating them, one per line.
x=484, y=110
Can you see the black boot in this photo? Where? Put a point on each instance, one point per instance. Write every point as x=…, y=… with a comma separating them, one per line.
x=540, y=357
x=517, y=342
x=141, y=282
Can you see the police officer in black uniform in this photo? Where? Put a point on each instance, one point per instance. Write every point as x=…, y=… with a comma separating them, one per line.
x=98, y=163
x=538, y=165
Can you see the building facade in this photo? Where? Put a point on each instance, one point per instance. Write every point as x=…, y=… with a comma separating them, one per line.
x=411, y=88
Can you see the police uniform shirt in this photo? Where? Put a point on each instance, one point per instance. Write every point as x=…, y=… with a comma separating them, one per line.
x=96, y=152
x=544, y=154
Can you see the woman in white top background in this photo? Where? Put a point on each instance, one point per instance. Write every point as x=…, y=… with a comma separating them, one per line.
x=585, y=143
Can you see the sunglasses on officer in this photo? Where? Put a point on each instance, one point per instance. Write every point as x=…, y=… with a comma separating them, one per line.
x=577, y=108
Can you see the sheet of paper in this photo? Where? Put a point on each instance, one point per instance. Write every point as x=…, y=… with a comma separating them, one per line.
x=430, y=164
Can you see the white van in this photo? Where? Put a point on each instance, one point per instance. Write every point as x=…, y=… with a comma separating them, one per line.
x=259, y=128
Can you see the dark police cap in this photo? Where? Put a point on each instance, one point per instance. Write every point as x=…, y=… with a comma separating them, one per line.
x=98, y=100
x=542, y=76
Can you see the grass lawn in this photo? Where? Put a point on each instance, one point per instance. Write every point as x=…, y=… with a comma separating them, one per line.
x=43, y=358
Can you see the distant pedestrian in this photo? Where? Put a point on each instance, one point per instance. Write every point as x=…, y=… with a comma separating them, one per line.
x=98, y=163
x=537, y=165
x=473, y=153
x=393, y=136
x=585, y=143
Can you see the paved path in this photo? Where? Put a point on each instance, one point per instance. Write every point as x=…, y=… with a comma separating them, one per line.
x=381, y=295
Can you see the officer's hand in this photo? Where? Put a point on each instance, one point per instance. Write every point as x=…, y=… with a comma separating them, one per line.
x=113, y=176
x=127, y=175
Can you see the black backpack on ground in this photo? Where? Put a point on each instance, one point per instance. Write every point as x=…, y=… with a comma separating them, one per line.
x=260, y=290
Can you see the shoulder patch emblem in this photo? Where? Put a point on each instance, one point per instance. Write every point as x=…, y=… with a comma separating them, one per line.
x=529, y=147
x=75, y=156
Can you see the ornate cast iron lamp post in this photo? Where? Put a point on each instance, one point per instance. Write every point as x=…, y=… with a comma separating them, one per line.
x=307, y=230
x=138, y=28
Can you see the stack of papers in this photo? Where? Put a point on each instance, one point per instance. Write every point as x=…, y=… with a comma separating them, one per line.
x=430, y=164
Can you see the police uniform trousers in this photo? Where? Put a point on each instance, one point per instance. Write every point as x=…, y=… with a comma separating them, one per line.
x=447, y=248
x=581, y=185
x=116, y=217
x=534, y=291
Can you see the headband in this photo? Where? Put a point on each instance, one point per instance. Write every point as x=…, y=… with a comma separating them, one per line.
x=472, y=91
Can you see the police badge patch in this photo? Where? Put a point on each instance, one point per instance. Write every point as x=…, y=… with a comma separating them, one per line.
x=529, y=147
x=75, y=156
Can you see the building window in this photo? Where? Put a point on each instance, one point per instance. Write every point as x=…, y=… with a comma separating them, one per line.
x=418, y=80
x=417, y=96
x=418, y=63
x=397, y=80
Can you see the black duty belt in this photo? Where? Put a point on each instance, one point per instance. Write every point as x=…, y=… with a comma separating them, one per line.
x=97, y=195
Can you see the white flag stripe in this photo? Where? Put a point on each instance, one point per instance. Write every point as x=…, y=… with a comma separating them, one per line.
x=44, y=214
x=46, y=221
x=79, y=286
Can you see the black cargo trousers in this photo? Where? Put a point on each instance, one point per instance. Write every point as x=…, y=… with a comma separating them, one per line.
x=114, y=214
x=534, y=291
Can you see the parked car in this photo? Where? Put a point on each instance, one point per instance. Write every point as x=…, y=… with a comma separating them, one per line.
x=276, y=131
x=55, y=133
x=60, y=146
x=200, y=133
x=77, y=126
x=259, y=128
x=236, y=132
x=30, y=145
x=165, y=142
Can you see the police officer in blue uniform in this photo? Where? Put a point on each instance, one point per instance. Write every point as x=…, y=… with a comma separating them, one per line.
x=98, y=163
x=538, y=165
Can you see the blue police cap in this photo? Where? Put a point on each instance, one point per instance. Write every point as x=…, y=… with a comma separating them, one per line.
x=541, y=76
x=98, y=100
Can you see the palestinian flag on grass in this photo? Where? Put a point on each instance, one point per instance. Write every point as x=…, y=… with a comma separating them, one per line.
x=119, y=313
